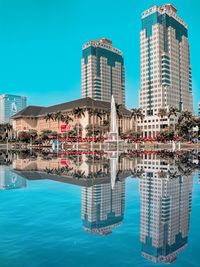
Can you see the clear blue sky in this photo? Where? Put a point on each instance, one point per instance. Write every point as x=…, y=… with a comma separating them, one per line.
x=41, y=41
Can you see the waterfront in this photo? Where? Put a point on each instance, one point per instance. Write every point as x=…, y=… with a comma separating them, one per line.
x=93, y=209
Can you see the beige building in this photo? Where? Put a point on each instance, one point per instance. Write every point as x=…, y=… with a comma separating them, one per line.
x=166, y=78
x=36, y=118
x=103, y=71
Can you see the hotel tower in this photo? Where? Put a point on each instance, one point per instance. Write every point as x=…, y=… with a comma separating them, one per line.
x=166, y=79
x=103, y=74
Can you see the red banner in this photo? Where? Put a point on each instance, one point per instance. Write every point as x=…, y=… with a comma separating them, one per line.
x=64, y=128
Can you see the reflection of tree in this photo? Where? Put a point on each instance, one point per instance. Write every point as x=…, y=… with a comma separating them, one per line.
x=135, y=173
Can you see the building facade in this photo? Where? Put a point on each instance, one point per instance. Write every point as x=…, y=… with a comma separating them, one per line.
x=166, y=79
x=10, y=105
x=103, y=74
x=36, y=118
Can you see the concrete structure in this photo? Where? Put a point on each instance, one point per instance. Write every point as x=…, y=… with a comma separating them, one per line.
x=35, y=117
x=166, y=79
x=166, y=198
x=103, y=73
x=10, y=105
x=199, y=109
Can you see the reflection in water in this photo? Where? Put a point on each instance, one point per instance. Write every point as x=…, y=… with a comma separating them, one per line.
x=165, y=182
x=103, y=204
x=9, y=180
x=165, y=210
x=103, y=207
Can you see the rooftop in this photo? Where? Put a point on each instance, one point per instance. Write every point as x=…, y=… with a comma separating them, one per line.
x=103, y=43
x=37, y=111
x=169, y=9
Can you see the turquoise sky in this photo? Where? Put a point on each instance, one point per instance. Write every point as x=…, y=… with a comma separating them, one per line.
x=41, y=41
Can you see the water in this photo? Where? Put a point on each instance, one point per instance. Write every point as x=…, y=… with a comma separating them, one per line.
x=53, y=215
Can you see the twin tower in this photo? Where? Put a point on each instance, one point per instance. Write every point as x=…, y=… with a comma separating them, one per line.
x=164, y=64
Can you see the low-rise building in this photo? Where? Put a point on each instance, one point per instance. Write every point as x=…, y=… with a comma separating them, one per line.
x=83, y=113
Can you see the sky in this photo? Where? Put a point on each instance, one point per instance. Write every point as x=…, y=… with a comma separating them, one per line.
x=41, y=43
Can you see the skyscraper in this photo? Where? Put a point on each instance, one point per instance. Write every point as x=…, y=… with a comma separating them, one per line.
x=103, y=72
x=166, y=79
x=10, y=105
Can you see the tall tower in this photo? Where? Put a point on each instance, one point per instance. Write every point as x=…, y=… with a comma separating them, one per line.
x=103, y=73
x=165, y=61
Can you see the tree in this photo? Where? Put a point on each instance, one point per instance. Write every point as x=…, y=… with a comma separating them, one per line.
x=24, y=136
x=162, y=113
x=67, y=119
x=136, y=113
x=185, y=116
x=78, y=112
x=45, y=134
x=33, y=134
x=173, y=112
x=58, y=116
x=119, y=110
x=6, y=131
x=48, y=117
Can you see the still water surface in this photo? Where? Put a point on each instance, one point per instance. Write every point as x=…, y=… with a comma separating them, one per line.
x=99, y=210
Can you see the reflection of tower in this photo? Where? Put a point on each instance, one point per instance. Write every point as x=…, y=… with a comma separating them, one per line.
x=165, y=213
x=103, y=207
x=113, y=168
x=9, y=180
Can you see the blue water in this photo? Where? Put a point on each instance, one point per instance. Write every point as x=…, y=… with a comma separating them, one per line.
x=40, y=225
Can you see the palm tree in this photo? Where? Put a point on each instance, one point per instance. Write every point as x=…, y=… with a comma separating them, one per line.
x=58, y=116
x=119, y=110
x=173, y=111
x=185, y=116
x=67, y=119
x=78, y=112
x=48, y=117
x=136, y=113
x=33, y=135
x=162, y=113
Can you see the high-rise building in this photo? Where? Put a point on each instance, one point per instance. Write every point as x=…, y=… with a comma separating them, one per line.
x=166, y=200
x=10, y=105
x=103, y=73
x=166, y=79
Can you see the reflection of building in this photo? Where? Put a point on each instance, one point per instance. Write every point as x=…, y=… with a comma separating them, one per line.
x=10, y=180
x=10, y=105
x=103, y=208
x=165, y=210
x=103, y=72
x=165, y=66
